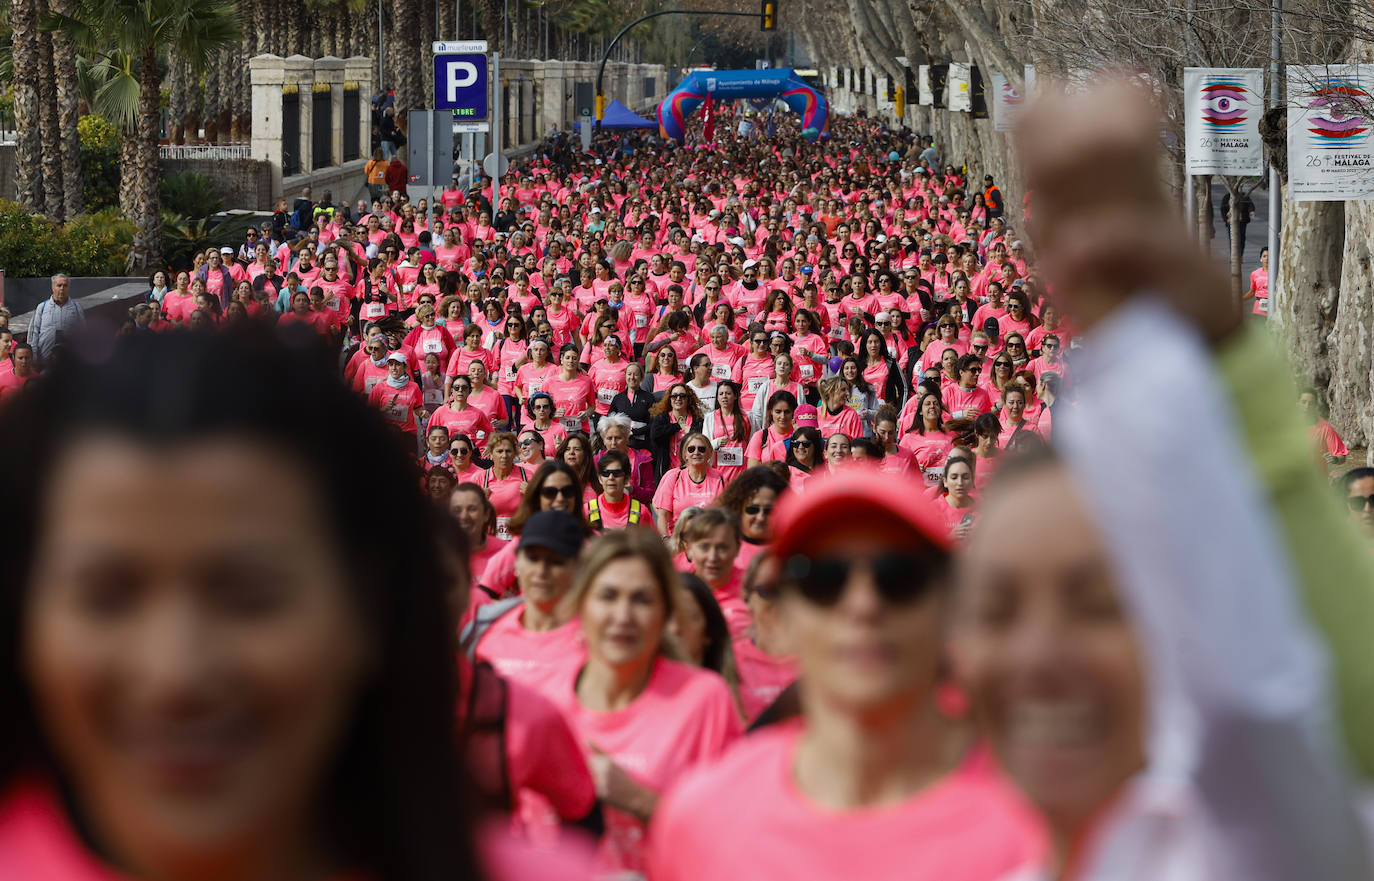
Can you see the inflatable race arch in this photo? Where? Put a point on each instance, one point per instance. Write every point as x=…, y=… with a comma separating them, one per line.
x=730, y=85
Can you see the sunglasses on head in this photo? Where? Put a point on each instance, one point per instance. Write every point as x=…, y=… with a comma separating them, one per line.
x=1359, y=503
x=899, y=577
x=549, y=493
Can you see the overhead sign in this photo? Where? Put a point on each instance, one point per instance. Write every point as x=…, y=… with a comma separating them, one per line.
x=460, y=128
x=960, y=94
x=460, y=84
x=1007, y=102
x=459, y=47
x=1330, y=141
x=1221, y=113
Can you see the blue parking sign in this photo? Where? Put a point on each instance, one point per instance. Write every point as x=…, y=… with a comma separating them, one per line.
x=460, y=85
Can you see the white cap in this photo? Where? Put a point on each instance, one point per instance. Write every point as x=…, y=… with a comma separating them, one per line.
x=714, y=213
x=226, y=250
x=750, y=264
x=397, y=357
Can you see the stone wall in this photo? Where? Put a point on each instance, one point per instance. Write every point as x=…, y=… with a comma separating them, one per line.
x=241, y=183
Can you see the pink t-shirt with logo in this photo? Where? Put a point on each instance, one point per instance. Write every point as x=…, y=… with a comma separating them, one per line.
x=684, y=716
x=743, y=817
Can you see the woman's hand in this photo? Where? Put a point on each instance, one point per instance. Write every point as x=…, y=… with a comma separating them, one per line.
x=1103, y=225
x=615, y=788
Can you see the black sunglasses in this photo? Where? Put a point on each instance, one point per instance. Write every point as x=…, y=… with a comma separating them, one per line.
x=549, y=493
x=900, y=577
x=698, y=449
x=1359, y=503
x=459, y=451
x=755, y=510
x=801, y=444
x=612, y=472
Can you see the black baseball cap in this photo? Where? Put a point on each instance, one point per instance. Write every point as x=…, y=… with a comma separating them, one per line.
x=557, y=531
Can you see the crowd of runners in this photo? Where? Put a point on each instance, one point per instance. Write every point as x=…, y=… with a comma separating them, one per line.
x=762, y=508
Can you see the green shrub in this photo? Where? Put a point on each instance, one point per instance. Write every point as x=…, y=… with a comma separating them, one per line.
x=33, y=246
x=30, y=245
x=99, y=243
x=99, y=161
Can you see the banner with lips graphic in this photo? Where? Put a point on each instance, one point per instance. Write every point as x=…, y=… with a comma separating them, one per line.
x=1222, y=109
x=1331, y=132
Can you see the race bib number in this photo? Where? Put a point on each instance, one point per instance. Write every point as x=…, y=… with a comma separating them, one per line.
x=503, y=528
x=756, y=384
x=934, y=474
x=572, y=423
x=432, y=346
x=434, y=396
x=836, y=332
x=720, y=371
x=728, y=457
x=1263, y=305
x=395, y=412
x=605, y=396
x=374, y=310
x=332, y=303
x=641, y=320
x=807, y=370
x=370, y=382
x=508, y=373
x=536, y=386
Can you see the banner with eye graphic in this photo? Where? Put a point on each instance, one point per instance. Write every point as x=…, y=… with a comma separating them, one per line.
x=1330, y=132
x=1222, y=110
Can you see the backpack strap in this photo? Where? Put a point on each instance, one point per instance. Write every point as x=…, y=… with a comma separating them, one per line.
x=593, y=514
x=636, y=511
x=482, y=620
x=485, y=736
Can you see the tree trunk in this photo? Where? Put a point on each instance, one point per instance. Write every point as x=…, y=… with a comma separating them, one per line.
x=403, y=55
x=145, y=170
x=176, y=100
x=1353, y=334
x=1236, y=240
x=448, y=25
x=54, y=203
x=69, y=113
x=491, y=24
x=214, y=98
x=29, y=149
x=1202, y=196
x=1306, y=292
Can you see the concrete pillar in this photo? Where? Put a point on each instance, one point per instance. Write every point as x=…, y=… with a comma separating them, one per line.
x=266, y=75
x=329, y=71
x=358, y=70
x=300, y=73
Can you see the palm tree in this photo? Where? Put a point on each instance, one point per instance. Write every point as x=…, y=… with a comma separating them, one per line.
x=129, y=35
x=29, y=150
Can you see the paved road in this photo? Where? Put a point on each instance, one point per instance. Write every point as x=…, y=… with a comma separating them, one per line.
x=1256, y=233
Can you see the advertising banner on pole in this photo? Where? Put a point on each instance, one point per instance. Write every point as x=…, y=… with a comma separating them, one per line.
x=1330, y=148
x=925, y=95
x=1222, y=107
x=960, y=97
x=1007, y=102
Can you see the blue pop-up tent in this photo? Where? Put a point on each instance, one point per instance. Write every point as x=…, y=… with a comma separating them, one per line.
x=619, y=117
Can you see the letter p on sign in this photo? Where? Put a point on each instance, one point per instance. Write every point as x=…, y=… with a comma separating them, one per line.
x=460, y=84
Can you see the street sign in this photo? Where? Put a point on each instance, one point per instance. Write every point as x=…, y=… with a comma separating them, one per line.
x=462, y=128
x=430, y=147
x=460, y=85
x=495, y=165
x=459, y=47
x=586, y=131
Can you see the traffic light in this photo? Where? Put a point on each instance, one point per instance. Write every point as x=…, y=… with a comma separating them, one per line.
x=601, y=103
x=901, y=102
x=768, y=15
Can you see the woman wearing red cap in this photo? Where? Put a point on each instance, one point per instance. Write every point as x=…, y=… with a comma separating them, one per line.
x=873, y=781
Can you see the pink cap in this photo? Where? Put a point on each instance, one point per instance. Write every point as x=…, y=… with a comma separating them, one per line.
x=853, y=495
x=806, y=417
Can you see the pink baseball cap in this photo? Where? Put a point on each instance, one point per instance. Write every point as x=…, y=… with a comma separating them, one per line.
x=806, y=417
x=854, y=495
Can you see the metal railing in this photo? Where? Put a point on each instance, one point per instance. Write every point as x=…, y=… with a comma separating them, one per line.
x=203, y=151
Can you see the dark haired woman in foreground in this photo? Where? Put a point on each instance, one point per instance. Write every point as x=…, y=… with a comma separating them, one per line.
x=215, y=671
